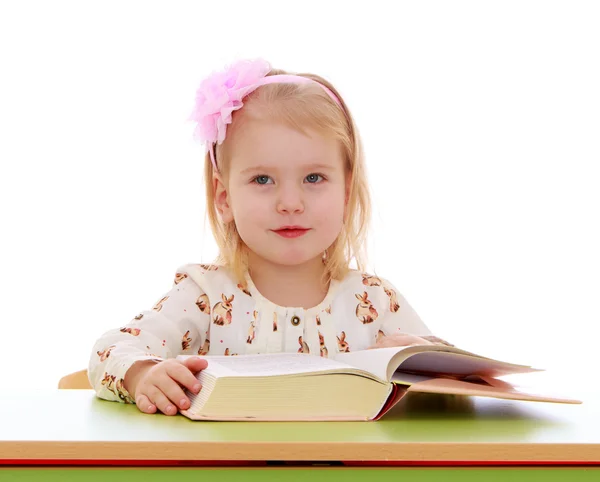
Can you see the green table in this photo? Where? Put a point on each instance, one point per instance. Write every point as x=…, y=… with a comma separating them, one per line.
x=64, y=435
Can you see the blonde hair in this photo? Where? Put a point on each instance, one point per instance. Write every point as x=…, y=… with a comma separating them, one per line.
x=299, y=106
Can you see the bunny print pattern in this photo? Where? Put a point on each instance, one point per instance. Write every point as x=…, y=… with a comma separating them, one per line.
x=207, y=312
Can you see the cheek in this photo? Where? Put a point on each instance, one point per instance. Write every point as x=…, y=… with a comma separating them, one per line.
x=329, y=209
x=248, y=208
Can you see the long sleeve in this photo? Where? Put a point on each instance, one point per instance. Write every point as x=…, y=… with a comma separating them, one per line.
x=400, y=317
x=177, y=325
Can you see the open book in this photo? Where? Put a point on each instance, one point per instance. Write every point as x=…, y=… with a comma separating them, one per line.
x=361, y=385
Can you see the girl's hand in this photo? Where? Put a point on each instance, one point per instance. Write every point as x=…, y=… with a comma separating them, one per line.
x=159, y=385
x=403, y=339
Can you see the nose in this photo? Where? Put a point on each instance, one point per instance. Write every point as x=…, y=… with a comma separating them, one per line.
x=290, y=200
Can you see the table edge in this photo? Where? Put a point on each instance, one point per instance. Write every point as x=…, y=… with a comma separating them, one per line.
x=302, y=451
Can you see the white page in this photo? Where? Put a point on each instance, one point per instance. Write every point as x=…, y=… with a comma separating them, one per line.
x=373, y=361
x=458, y=364
x=377, y=361
x=428, y=358
x=409, y=378
x=264, y=365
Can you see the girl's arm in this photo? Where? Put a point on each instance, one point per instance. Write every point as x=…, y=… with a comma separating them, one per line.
x=399, y=316
x=177, y=325
x=401, y=325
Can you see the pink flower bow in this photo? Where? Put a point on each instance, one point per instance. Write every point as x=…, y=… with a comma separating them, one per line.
x=220, y=94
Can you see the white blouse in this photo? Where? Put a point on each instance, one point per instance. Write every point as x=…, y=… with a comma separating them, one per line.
x=207, y=312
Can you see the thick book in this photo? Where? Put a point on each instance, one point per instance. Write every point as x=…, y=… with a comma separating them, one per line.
x=361, y=385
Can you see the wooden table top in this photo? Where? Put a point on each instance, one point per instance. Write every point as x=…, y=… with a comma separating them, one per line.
x=75, y=425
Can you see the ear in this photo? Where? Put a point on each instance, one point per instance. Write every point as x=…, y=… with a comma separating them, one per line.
x=222, y=199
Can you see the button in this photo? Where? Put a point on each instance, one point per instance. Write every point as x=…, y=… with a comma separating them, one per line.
x=295, y=320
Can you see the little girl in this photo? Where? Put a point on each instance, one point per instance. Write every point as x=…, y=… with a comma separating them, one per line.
x=288, y=204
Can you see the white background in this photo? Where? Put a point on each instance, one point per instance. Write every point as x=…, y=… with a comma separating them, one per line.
x=481, y=126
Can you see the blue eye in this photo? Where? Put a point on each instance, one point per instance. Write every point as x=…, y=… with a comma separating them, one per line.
x=313, y=178
x=262, y=179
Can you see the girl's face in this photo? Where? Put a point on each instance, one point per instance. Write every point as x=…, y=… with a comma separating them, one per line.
x=279, y=179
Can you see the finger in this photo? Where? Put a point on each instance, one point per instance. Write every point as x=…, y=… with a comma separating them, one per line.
x=182, y=375
x=158, y=398
x=437, y=341
x=172, y=390
x=422, y=341
x=393, y=343
x=195, y=364
x=144, y=404
x=389, y=342
x=406, y=339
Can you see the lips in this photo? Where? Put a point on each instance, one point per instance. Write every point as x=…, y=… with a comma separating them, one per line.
x=291, y=231
x=292, y=227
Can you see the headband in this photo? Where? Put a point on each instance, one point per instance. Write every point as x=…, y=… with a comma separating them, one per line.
x=222, y=92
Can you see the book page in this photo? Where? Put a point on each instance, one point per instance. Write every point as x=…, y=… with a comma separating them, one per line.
x=459, y=364
x=383, y=362
x=461, y=387
x=272, y=364
x=374, y=361
x=411, y=379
